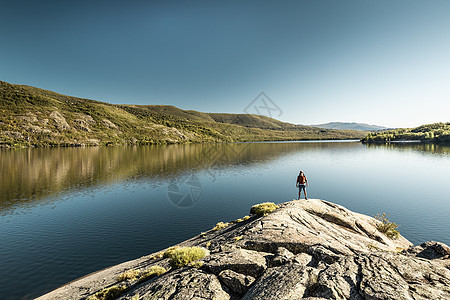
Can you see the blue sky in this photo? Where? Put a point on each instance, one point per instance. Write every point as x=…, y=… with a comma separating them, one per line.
x=378, y=62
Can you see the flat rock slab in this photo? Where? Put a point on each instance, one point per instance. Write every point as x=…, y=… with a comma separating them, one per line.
x=181, y=284
x=242, y=261
x=304, y=250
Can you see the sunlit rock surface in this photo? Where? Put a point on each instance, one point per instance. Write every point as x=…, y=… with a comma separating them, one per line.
x=310, y=249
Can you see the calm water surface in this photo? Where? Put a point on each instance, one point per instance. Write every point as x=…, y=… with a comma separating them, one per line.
x=67, y=212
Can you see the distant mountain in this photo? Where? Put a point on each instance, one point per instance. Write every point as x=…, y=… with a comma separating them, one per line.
x=351, y=126
x=33, y=117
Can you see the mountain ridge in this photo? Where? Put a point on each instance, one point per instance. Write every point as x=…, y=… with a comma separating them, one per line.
x=33, y=117
x=351, y=125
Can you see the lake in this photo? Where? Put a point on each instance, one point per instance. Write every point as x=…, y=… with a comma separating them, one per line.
x=66, y=212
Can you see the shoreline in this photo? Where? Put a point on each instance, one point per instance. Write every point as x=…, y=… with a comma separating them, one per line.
x=82, y=145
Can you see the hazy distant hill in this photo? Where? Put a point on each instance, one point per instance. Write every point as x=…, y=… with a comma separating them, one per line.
x=352, y=126
x=35, y=117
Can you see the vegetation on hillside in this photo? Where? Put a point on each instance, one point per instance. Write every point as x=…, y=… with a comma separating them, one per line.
x=31, y=116
x=436, y=133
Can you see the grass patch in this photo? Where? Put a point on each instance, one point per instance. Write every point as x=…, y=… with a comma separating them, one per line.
x=196, y=264
x=108, y=293
x=141, y=275
x=169, y=252
x=263, y=209
x=242, y=219
x=182, y=256
x=220, y=225
x=387, y=227
x=130, y=274
x=151, y=272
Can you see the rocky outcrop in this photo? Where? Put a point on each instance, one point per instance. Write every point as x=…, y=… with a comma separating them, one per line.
x=304, y=250
x=60, y=121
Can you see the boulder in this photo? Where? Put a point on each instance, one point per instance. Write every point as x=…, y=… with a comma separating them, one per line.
x=242, y=261
x=430, y=250
x=236, y=282
x=186, y=283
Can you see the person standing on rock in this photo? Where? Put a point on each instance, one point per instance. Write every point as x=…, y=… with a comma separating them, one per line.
x=301, y=183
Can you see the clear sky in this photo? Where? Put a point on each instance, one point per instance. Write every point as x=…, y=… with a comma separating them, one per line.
x=384, y=62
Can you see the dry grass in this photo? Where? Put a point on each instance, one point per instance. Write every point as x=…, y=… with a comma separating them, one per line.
x=182, y=256
x=196, y=264
x=263, y=209
x=151, y=272
x=130, y=274
x=242, y=219
x=108, y=293
x=220, y=225
x=141, y=275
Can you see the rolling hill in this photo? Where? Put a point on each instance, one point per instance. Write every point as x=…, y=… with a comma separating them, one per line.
x=35, y=117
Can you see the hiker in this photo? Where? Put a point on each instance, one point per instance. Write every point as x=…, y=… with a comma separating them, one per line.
x=302, y=183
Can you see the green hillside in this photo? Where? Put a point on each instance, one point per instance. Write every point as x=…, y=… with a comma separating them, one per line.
x=436, y=133
x=35, y=117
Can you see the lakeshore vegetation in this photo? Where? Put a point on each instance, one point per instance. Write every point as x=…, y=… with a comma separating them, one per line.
x=33, y=117
x=431, y=133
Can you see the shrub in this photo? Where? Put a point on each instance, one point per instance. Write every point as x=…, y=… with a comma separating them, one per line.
x=108, y=293
x=182, y=256
x=169, y=252
x=386, y=227
x=263, y=209
x=220, y=225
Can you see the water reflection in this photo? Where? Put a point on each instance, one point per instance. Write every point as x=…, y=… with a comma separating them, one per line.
x=29, y=176
x=439, y=149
